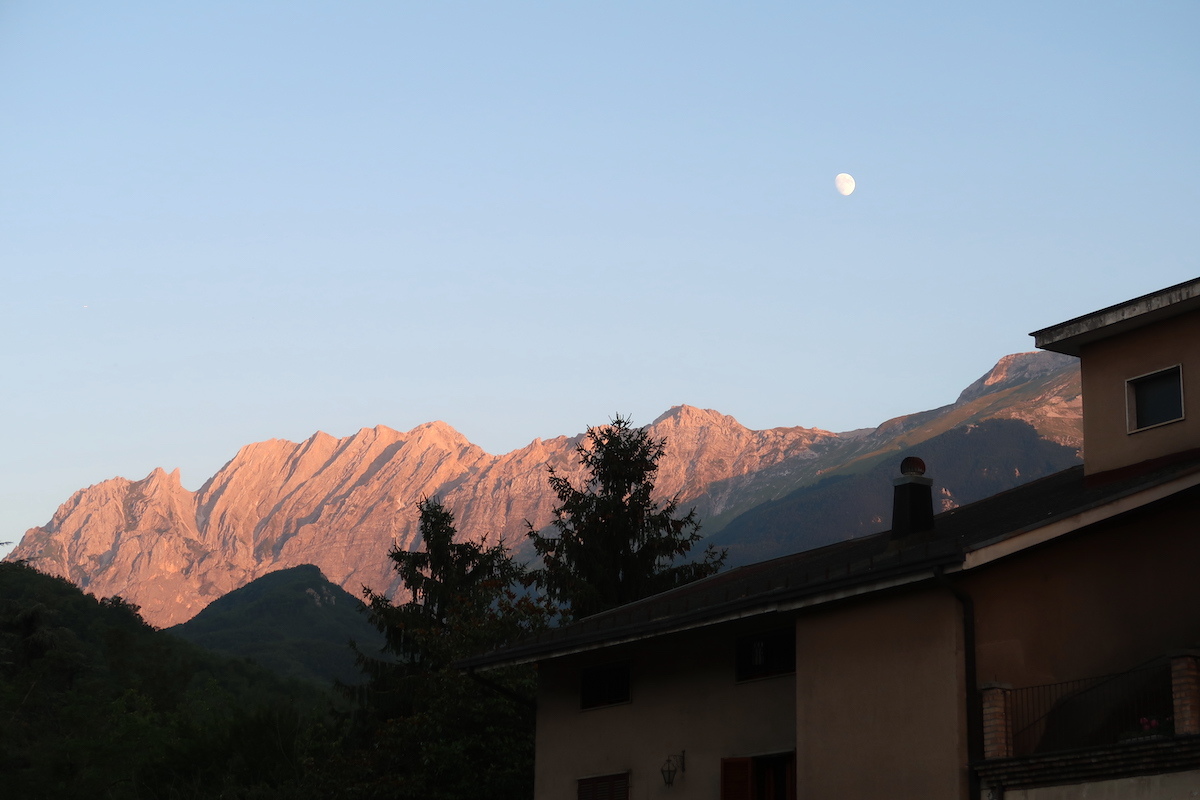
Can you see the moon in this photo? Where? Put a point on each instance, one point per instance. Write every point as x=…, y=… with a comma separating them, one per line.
x=844, y=184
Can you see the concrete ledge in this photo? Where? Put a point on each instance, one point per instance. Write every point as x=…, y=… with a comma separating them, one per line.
x=1136, y=757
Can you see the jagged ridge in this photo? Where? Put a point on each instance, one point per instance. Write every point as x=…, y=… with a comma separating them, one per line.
x=341, y=504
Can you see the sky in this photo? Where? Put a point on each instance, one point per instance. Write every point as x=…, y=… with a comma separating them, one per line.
x=224, y=222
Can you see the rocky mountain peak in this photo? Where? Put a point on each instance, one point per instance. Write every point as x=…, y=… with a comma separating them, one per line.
x=439, y=434
x=691, y=415
x=1015, y=369
x=160, y=479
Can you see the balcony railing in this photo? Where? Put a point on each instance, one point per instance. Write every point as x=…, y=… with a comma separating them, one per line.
x=1152, y=702
x=1093, y=711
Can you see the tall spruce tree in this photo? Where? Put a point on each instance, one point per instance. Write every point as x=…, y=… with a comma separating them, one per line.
x=433, y=732
x=612, y=542
x=454, y=589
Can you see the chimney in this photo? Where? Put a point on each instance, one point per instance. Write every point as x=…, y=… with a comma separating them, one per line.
x=912, y=501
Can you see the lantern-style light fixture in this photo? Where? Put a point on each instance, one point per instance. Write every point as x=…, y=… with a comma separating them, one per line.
x=673, y=765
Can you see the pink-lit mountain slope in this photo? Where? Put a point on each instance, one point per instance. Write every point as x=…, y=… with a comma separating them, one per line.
x=341, y=504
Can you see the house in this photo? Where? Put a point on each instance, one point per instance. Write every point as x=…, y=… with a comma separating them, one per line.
x=1035, y=645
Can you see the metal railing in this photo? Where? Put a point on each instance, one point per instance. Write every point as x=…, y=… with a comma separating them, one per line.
x=1091, y=712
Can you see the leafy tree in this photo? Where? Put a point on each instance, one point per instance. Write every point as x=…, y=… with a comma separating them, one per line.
x=615, y=543
x=435, y=731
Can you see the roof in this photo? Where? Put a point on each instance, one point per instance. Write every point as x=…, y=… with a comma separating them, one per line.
x=1068, y=337
x=963, y=538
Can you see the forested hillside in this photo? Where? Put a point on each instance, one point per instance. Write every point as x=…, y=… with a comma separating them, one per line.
x=96, y=703
x=293, y=621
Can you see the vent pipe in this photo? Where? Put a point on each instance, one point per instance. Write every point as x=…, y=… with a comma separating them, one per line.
x=912, y=499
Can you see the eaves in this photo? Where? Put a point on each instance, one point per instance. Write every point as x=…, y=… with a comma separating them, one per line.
x=783, y=598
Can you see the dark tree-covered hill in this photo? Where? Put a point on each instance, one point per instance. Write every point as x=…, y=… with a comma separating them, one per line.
x=96, y=703
x=292, y=621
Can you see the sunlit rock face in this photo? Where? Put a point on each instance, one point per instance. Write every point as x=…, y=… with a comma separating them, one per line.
x=342, y=504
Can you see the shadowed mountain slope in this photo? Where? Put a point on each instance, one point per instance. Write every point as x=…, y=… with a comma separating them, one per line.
x=966, y=464
x=292, y=621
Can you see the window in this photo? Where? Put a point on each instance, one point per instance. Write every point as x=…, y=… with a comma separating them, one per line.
x=760, y=778
x=604, y=685
x=765, y=654
x=604, y=787
x=1154, y=399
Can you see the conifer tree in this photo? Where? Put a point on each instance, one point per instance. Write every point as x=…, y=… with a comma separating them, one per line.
x=453, y=587
x=433, y=731
x=613, y=543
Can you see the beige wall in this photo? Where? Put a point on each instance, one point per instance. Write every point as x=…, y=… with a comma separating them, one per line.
x=1107, y=364
x=876, y=708
x=879, y=696
x=684, y=697
x=1094, y=604
x=1173, y=786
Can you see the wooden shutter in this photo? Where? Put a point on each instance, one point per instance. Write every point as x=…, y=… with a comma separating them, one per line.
x=737, y=779
x=604, y=787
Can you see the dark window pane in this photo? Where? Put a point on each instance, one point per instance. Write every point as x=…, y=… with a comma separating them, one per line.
x=767, y=653
x=1157, y=398
x=775, y=777
x=604, y=685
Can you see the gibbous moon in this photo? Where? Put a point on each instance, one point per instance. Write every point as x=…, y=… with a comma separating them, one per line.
x=844, y=183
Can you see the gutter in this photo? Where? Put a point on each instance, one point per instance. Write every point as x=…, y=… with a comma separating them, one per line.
x=970, y=666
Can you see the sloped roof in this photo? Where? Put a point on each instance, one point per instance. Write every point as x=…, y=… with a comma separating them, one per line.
x=1070, y=336
x=857, y=566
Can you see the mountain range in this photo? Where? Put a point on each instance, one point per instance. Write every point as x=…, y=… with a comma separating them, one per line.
x=341, y=504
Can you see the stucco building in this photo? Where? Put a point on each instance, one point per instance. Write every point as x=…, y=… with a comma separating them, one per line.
x=1037, y=645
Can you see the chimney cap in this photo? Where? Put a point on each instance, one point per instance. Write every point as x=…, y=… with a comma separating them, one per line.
x=912, y=466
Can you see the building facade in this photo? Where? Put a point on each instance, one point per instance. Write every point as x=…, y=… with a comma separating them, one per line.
x=1038, y=644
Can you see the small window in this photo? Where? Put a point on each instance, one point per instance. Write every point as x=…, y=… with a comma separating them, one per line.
x=1154, y=399
x=767, y=653
x=604, y=787
x=604, y=685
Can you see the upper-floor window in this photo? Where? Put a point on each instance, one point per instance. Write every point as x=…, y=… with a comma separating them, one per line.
x=761, y=655
x=1154, y=399
x=604, y=685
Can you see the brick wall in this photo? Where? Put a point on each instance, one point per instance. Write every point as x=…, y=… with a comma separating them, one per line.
x=1185, y=693
x=997, y=732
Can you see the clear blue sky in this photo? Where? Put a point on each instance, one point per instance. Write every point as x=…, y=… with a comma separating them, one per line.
x=222, y=222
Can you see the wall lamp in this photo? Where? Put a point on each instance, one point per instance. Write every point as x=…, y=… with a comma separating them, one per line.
x=673, y=765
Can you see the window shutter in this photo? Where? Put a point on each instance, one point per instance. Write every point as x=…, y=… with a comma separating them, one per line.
x=737, y=779
x=605, y=787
